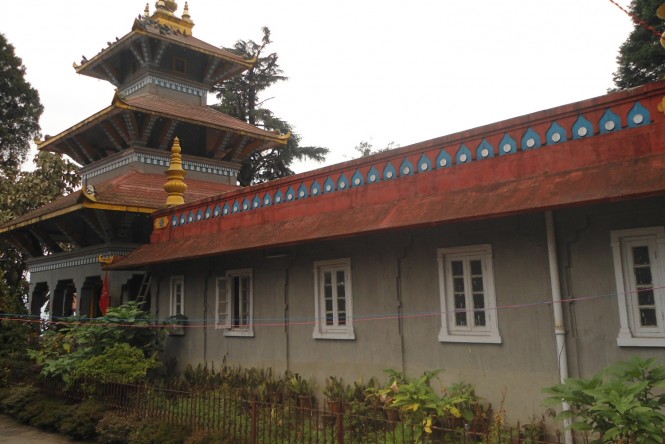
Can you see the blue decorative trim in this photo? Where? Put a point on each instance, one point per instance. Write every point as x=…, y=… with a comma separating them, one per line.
x=315, y=190
x=373, y=175
x=531, y=140
x=638, y=116
x=343, y=182
x=357, y=180
x=556, y=134
x=424, y=164
x=485, y=150
x=389, y=172
x=290, y=194
x=329, y=185
x=90, y=259
x=463, y=155
x=406, y=168
x=610, y=122
x=162, y=161
x=443, y=160
x=208, y=213
x=582, y=128
x=191, y=217
x=508, y=145
x=165, y=83
x=303, y=192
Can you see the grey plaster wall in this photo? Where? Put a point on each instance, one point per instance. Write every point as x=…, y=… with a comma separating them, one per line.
x=403, y=264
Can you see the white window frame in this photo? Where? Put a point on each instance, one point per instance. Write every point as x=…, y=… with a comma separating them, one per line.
x=226, y=303
x=321, y=330
x=631, y=333
x=489, y=333
x=174, y=302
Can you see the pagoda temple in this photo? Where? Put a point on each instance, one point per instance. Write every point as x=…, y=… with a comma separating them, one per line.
x=162, y=75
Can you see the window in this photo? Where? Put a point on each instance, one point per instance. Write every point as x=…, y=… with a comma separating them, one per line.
x=179, y=65
x=466, y=285
x=234, y=303
x=639, y=269
x=177, y=295
x=333, y=300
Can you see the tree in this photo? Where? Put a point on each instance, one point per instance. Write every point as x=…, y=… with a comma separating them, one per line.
x=641, y=57
x=21, y=191
x=366, y=148
x=20, y=109
x=240, y=99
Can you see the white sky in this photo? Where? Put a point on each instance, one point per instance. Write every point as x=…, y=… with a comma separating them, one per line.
x=390, y=70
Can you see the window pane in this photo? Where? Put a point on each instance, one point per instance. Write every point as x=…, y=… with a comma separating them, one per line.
x=328, y=297
x=477, y=284
x=476, y=268
x=460, y=302
x=479, y=318
x=458, y=285
x=648, y=317
x=643, y=275
x=457, y=267
x=460, y=319
x=645, y=297
x=641, y=255
x=478, y=301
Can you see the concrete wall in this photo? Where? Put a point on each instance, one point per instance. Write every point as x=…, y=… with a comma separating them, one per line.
x=405, y=262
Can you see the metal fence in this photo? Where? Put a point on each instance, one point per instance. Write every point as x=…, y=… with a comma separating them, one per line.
x=230, y=414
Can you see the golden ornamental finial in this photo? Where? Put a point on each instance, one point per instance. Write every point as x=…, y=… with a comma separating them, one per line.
x=166, y=5
x=185, y=13
x=146, y=11
x=175, y=185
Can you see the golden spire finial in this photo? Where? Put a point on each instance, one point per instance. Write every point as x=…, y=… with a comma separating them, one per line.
x=146, y=11
x=185, y=13
x=167, y=5
x=175, y=185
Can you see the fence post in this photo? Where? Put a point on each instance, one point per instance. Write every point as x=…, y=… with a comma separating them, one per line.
x=339, y=420
x=254, y=437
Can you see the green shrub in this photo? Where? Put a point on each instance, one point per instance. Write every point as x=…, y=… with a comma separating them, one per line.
x=82, y=422
x=116, y=427
x=159, y=432
x=65, y=349
x=623, y=403
x=121, y=363
x=17, y=397
x=207, y=437
x=52, y=415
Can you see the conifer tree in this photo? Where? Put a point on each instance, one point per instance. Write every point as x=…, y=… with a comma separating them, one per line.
x=641, y=57
x=240, y=98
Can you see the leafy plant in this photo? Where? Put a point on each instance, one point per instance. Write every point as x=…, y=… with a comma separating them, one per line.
x=623, y=403
x=65, y=349
x=336, y=391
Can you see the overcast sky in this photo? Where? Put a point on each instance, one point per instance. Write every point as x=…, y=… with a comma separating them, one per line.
x=384, y=71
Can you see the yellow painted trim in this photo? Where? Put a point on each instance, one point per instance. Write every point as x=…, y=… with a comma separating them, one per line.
x=161, y=222
x=47, y=216
x=113, y=207
x=73, y=208
x=105, y=259
x=76, y=127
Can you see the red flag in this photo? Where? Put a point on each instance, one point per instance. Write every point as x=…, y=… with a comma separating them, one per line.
x=104, y=299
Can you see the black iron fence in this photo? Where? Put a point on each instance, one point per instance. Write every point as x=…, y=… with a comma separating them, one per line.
x=282, y=420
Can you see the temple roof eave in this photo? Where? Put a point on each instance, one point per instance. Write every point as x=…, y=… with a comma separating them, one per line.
x=88, y=67
x=208, y=118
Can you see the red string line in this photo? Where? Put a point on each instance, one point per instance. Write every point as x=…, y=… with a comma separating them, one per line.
x=637, y=20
